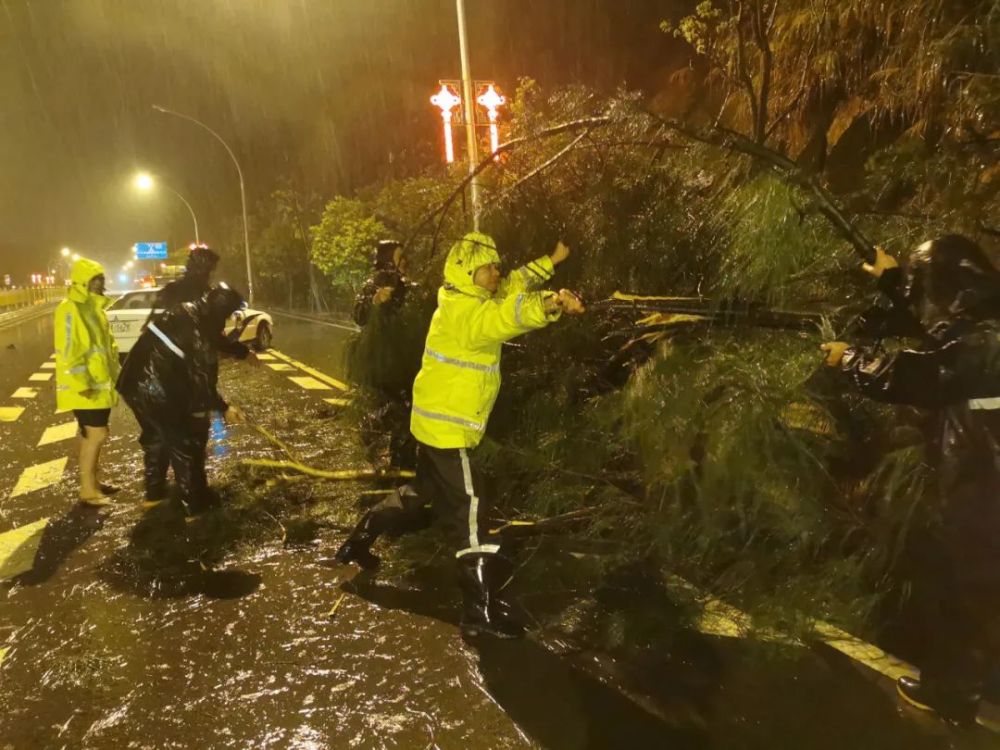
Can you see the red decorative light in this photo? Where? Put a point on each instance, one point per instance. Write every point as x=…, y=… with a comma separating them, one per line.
x=492, y=100
x=446, y=100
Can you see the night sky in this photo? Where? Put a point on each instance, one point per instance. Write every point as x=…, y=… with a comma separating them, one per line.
x=330, y=94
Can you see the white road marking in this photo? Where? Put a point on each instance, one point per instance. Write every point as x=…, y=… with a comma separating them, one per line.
x=40, y=476
x=338, y=401
x=310, y=384
x=48, y=365
x=25, y=393
x=42, y=377
x=59, y=433
x=18, y=549
x=280, y=367
x=10, y=413
x=321, y=376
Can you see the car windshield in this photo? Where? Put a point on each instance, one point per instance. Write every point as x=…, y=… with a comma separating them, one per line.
x=134, y=301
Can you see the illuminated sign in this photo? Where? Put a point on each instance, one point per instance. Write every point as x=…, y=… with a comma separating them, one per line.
x=491, y=100
x=446, y=100
x=150, y=250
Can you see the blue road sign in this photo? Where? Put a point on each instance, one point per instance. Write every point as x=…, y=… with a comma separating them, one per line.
x=150, y=250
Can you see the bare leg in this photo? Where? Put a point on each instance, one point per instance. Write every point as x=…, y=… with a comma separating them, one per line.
x=90, y=453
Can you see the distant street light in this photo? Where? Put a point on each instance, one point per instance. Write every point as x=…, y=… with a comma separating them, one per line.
x=66, y=252
x=243, y=194
x=76, y=256
x=145, y=182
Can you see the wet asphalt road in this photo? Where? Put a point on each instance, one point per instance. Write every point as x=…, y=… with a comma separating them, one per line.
x=136, y=629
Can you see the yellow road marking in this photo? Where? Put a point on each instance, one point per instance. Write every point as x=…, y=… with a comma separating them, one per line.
x=41, y=376
x=48, y=365
x=39, y=477
x=18, y=549
x=59, y=433
x=265, y=357
x=3, y=654
x=338, y=401
x=865, y=653
x=280, y=366
x=25, y=393
x=322, y=377
x=310, y=384
x=10, y=413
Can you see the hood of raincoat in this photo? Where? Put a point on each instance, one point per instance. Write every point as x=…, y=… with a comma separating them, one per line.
x=951, y=277
x=80, y=276
x=471, y=252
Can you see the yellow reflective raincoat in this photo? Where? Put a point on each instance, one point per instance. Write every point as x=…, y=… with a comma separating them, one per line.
x=86, y=353
x=460, y=372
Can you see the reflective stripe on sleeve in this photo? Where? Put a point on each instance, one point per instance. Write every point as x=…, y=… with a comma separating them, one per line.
x=517, y=310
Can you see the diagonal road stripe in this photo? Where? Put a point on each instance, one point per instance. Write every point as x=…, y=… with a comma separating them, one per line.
x=39, y=476
x=25, y=393
x=59, y=433
x=41, y=377
x=322, y=377
x=19, y=547
x=310, y=384
x=280, y=367
x=10, y=413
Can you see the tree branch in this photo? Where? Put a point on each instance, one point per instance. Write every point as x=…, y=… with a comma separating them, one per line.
x=825, y=202
x=442, y=210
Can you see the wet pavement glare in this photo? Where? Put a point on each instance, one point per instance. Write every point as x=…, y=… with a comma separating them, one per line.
x=138, y=629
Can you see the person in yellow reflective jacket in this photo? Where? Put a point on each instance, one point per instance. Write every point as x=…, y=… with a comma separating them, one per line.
x=453, y=396
x=86, y=370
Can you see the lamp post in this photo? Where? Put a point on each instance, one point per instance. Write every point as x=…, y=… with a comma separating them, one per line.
x=146, y=182
x=470, y=111
x=243, y=195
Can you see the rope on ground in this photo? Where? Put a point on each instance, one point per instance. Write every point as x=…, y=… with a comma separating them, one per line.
x=343, y=474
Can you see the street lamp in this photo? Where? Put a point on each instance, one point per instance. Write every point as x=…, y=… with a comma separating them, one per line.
x=76, y=257
x=470, y=112
x=65, y=252
x=145, y=182
x=243, y=194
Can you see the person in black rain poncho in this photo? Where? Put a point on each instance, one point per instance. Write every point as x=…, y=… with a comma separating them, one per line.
x=192, y=286
x=954, y=291
x=170, y=382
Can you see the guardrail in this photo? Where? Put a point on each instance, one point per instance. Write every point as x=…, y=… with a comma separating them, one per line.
x=11, y=299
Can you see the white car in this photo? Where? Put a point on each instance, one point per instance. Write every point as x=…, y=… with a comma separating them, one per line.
x=128, y=314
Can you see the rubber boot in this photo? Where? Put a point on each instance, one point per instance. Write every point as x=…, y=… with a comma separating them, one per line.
x=959, y=706
x=357, y=548
x=483, y=611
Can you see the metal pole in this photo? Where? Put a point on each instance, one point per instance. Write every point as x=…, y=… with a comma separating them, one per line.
x=243, y=195
x=469, y=106
x=191, y=210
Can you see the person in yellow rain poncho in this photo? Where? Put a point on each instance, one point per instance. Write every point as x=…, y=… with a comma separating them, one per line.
x=452, y=398
x=86, y=370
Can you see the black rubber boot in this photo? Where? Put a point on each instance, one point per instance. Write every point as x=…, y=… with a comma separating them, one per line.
x=483, y=611
x=959, y=706
x=357, y=548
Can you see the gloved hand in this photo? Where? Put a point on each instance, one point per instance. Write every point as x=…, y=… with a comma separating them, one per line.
x=835, y=351
x=383, y=295
x=560, y=254
x=883, y=262
x=570, y=302
x=234, y=415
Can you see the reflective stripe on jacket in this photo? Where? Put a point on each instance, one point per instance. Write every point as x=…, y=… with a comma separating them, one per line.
x=86, y=352
x=460, y=373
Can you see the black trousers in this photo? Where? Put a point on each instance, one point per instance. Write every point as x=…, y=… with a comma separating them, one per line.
x=446, y=490
x=178, y=442
x=956, y=594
